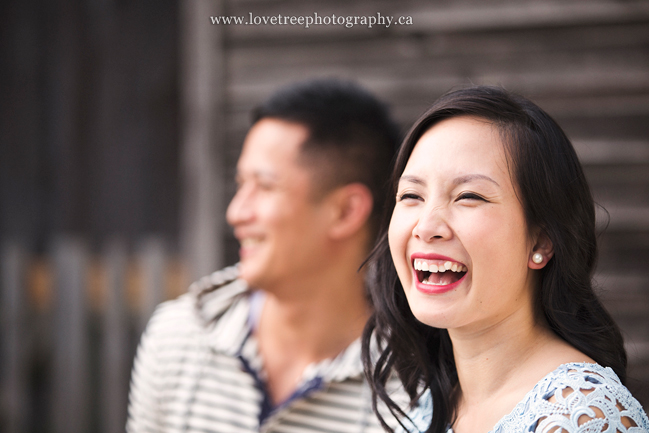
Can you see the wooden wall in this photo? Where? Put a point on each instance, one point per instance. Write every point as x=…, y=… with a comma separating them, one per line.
x=89, y=145
x=89, y=131
x=586, y=63
x=110, y=110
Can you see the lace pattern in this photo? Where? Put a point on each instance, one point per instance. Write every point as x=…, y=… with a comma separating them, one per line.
x=579, y=398
x=575, y=398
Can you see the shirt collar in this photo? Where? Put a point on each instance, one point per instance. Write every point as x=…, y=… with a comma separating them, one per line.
x=222, y=302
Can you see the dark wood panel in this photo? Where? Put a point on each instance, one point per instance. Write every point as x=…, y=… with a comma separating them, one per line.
x=433, y=17
x=382, y=48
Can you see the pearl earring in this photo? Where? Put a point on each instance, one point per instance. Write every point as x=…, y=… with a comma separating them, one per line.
x=537, y=258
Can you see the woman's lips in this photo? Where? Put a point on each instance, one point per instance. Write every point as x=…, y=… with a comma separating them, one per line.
x=431, y=256
x=435, y=273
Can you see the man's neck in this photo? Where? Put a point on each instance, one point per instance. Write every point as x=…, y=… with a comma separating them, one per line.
x=327, y=313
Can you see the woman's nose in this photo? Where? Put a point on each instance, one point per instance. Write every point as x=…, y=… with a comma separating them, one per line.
x=432, y=225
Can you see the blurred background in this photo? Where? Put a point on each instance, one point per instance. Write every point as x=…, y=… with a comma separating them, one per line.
x=121, y=123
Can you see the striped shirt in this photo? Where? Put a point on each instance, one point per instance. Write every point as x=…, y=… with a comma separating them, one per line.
x=198, y=369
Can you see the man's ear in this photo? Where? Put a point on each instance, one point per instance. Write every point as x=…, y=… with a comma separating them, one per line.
x=352, y=206
x=542, y=251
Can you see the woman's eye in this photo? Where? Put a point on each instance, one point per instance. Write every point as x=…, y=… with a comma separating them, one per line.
x=408, y=196
x=470, y=196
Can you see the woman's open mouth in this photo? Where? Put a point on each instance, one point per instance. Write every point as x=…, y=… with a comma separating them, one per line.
x=438, y=272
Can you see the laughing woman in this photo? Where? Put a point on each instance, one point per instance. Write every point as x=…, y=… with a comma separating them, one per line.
x=484, y=303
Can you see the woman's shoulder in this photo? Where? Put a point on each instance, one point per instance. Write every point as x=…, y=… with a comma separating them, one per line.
x=577, y=397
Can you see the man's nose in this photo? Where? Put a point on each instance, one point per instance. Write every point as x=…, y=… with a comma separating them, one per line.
x=240, y=209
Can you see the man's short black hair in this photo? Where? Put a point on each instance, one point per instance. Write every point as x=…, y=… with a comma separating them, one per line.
x=352, y=137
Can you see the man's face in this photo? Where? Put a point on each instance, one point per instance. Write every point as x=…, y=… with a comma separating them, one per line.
x=280, y=226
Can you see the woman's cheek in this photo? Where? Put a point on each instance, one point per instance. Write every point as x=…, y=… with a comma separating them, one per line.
x=399, y=234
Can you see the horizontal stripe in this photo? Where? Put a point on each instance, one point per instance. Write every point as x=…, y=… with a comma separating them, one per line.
x=186, y=377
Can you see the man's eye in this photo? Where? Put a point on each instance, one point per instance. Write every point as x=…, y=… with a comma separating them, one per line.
x=265, y=186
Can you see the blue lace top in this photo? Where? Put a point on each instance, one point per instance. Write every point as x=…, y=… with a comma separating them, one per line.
x=598, y=404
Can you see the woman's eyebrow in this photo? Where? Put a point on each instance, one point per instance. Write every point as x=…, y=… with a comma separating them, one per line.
x=471, y=177
x=412, y=179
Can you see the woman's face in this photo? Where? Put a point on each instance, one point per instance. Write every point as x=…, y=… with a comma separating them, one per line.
x=458, y=235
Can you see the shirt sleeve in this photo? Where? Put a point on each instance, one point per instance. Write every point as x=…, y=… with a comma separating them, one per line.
x=144, y=392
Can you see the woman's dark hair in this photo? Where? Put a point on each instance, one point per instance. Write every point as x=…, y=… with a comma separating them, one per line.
x=556, y=199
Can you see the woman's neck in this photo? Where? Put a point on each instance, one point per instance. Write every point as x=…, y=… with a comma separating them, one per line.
x=498, y=364
x=486, y=357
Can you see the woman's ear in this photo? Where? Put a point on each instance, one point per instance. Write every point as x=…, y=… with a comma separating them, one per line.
x=352, y=205
x=542, y=251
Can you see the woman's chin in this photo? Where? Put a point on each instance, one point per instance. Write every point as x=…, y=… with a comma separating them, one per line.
x=432, y=315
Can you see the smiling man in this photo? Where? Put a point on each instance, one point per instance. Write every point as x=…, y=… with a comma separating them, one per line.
x=272, y=344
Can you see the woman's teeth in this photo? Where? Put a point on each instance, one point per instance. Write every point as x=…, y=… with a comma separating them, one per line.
x=433, y=272
x=435, y=266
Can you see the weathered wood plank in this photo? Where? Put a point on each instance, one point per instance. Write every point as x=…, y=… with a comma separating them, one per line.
x=13, y=376
x=71, y=381
x=115, y=359
x=202, y=89
x=432, y=18
x=151, y=257
x=613, y=39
